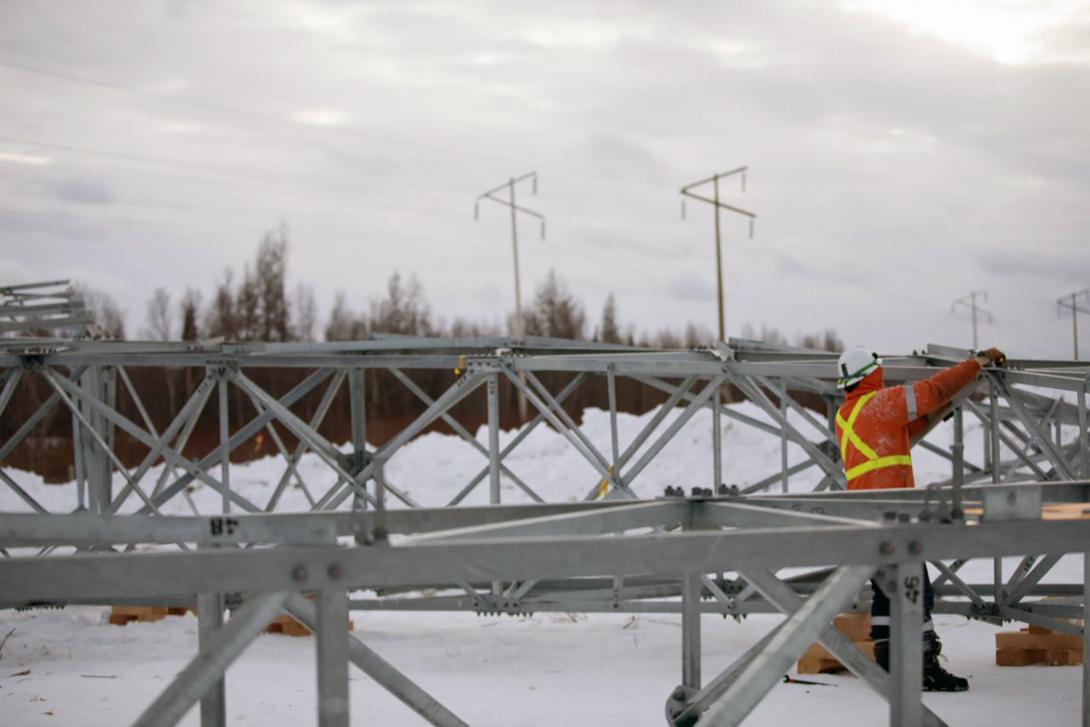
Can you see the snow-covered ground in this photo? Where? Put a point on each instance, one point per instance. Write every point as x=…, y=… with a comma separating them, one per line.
x=70, y=667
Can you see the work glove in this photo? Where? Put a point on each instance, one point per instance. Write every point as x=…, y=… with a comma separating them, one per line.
x=991, y=356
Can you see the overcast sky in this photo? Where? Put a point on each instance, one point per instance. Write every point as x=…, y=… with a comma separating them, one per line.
x=900, y=154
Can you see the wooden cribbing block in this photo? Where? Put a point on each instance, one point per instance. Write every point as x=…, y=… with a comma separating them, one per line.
x=288, y=626
x=121, y=615
x=818, y=660
x=1037, y=645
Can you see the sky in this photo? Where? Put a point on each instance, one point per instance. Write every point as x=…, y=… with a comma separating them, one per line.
x=901, y=154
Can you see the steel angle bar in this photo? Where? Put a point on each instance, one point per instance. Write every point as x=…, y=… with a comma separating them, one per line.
x=331, y=650
x=210, y=608
x=906, y=594
x=691, y=706
x=671, y=431
x=104, y=447
x=300, y=449
x=461, y=388
x=774, y=478
x=1000, y=436
x=575, y=429
x=144, y=438
x=967, y=465
x=241, y=435
x=718, y=513
x=727, y=411
x=559, y=424
x=83, y=529
x=954, y=567
x=32, y=421
x=208, y=667
x=798, y=408
x=616, y=519
x=831, y=468
x=691, y=589
x=1021, y=588
x=1034, y=428
x=9, y=389
x=783, y=597
x=191, y=417
x=23, y=494
x=676, y=394
x=464, y=434
x=522, y=434
x=1026, y=615
x=949, y=575
x=321, y=446
x=797, y=633
x=374, y=666
x=290, y=460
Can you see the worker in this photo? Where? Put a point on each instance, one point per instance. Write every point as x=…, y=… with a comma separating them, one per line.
x=875, y=427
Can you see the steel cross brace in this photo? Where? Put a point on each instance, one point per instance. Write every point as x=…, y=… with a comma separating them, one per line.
x=788, y=643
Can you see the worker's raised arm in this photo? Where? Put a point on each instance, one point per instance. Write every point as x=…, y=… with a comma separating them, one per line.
x=934, y=393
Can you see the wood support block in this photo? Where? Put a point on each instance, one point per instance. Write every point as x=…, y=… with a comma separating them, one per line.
x=121, y=615
x=1037, y=645
x=288, y=626
x=818, y=660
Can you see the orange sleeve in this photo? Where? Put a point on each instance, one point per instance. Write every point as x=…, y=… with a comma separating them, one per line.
x=932, y=394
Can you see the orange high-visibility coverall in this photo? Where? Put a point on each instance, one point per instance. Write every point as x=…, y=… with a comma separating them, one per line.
x=875, y=425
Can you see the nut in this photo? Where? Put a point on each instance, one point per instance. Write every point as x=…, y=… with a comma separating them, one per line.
x=335, y=572
x=915, y=547
x=300, y=573
x=886, y=548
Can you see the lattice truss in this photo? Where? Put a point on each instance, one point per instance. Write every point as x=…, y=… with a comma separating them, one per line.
x=712, y=549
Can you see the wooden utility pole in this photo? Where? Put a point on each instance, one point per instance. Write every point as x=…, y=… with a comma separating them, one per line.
x=970, y=302
x=714, y=200
x=1071, y=302
x=520, y=321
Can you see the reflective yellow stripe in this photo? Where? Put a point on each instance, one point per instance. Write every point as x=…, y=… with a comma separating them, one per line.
x=879, y=463
x=848, y=433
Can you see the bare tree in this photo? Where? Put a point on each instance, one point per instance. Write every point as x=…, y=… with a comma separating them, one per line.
x=404, y=310
x=305, y=312
x=555, y=311
x=222, y=321
x=191, y=305
x=270, y=290
x=609, y=331
x=344, y=325
x=107, y=316
x=159, y=317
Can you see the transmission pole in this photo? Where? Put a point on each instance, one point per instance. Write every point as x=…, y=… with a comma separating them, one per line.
x=714, y=200
x=520, y=323
x=1071, y=301
x=970, y=302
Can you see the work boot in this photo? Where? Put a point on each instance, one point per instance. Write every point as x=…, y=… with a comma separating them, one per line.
x=881, y=653
x=935, y=678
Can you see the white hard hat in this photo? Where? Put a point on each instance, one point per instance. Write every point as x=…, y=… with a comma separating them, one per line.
x=854, y=364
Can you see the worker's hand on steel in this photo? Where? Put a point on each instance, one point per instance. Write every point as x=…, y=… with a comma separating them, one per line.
x=991, y=356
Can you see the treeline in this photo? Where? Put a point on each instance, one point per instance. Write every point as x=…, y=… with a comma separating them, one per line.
x=257, y=305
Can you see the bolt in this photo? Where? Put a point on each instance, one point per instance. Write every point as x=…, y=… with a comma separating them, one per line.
x=886, y=548
x=697, y=492
x=300, y=573
x=335, y=572
x=915, y=548
x=904, y=517
x=1012, y=498
x=889, y=515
